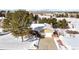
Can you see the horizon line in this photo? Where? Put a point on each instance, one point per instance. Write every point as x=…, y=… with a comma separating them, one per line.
x=44, y=9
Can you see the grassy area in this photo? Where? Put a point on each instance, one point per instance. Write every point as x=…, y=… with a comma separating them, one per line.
x=47, y=44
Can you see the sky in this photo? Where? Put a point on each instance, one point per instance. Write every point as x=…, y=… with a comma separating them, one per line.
x=40, y=4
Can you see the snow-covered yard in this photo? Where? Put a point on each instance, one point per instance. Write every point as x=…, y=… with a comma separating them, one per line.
x=73, y=39
x=10, y=42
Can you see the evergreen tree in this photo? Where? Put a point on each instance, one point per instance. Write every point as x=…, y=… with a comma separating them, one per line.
x=18, y=23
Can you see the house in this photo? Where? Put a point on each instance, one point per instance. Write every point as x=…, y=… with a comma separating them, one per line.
x=47, y=29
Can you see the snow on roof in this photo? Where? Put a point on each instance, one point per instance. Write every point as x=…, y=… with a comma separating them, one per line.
x=36, y=25
x=39, y=27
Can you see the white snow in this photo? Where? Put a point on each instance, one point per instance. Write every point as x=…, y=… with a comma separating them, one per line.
x=73, y=39
x=33, y=26
x=10, y=42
